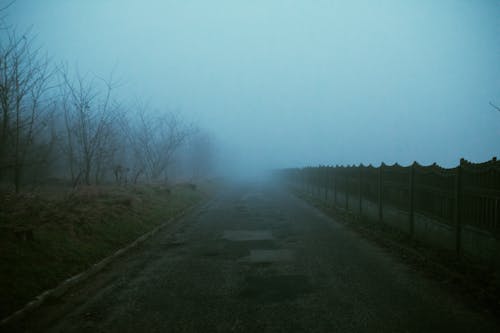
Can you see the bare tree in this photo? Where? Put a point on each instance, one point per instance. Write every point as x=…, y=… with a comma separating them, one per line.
x=133, y=159
x=94, y=134
x=153, y=138
x=161, y=136
x=3, y=9
x=495, y=107
x=24, y=83
x=89, y=114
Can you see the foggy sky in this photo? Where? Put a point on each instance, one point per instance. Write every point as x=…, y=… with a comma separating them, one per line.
x=293, y=83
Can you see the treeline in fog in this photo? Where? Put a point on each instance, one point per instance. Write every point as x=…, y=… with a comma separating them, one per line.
x=59, y=123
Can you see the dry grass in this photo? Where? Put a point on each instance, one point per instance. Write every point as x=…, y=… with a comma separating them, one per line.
x=50, y=234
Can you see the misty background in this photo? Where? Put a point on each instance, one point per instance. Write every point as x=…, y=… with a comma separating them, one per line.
x=296, y=83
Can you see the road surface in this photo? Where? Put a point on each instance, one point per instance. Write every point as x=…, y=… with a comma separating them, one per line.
x=257, y=259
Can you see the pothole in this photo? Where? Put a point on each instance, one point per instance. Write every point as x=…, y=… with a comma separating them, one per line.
x=247, y=235
x=275, y=288
x=269, y=256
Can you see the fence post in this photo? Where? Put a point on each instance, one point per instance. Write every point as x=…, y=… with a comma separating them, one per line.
x=411, y=192
x=304, y=180
x=313, y=182
x=380, y=184
x=458, y=204
x=325, y=183
x=346, y=181
x=318, y=182
x=309, y=181
x=360, y=190
x=315, y=193
x=335, y=187
x=330, y=183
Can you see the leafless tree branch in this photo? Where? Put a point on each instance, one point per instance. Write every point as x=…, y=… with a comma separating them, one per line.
x=495, y=107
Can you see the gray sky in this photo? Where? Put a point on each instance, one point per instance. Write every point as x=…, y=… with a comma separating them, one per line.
x=292, y=83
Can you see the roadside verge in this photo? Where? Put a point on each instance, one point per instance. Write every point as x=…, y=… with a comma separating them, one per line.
x=474, y=283
x=95, y=243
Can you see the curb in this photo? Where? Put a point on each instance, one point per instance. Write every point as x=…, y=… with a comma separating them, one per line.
x=63, y=287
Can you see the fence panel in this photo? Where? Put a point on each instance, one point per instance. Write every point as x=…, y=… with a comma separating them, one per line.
x=435, y=192
x=395, y=186
x=468, y=194
x=370, y=183
x=481, y=196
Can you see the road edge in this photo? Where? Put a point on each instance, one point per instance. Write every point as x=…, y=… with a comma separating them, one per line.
x=420, y=259
x=65, y=285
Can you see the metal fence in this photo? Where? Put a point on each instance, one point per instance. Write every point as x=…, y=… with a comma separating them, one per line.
x=468, y=194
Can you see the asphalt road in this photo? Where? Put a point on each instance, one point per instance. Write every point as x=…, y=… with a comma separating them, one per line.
x=257, y=259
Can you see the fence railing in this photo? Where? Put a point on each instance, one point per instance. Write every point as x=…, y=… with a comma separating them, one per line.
x=468, y=194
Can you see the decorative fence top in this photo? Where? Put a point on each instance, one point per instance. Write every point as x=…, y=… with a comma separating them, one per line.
x=468, y=193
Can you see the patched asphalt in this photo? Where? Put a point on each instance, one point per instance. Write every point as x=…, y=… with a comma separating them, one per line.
x=257, y=259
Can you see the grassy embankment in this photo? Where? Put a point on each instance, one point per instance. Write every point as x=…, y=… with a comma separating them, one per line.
x=53, y=234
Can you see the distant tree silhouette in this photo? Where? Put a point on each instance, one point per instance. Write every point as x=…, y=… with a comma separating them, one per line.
x=159, y=136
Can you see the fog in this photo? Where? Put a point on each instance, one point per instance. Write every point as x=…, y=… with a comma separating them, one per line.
x=296, y=83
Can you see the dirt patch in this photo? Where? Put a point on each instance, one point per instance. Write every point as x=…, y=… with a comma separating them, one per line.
x=248, y=235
